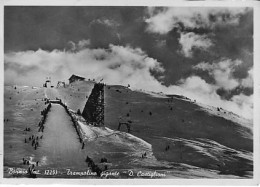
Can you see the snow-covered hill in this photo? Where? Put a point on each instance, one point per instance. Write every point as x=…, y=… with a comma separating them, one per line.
x=181, y=138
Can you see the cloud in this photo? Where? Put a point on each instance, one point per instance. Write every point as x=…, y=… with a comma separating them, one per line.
x=248, y=81
x=197, y=85
x=191, y=40
x=107, y=22
x=222, y=72
x=243, y=100
x=243, y=105
x=116, y=65
x=78, y=46
x=196, y=88
x=165, y=19
x=104, y=32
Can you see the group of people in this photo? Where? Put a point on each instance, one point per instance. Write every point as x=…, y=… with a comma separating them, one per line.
x=35, y=140
x=27, y=162
x=27, y=129
x=103, y=160
x=31, y=172
x=31, y=167
x=44, y=113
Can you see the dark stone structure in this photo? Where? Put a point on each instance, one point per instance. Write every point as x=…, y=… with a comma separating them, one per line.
x=94, y=108
x=75, y=78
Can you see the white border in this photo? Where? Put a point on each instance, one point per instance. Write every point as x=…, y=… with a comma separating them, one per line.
x=254, y=4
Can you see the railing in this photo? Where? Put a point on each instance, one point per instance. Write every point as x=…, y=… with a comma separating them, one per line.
x=44, y=114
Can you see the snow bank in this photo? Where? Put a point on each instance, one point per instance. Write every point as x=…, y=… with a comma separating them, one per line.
x=227, y=115
x=214, y=149
x=87, y=132
x=153, y=94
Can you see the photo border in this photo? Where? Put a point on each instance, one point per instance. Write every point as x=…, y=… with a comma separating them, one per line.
x=256, y=156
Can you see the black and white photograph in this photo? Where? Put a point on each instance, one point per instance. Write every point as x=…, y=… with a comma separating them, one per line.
x=128, y=92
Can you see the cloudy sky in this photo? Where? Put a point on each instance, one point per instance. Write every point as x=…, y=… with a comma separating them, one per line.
x=203, y=53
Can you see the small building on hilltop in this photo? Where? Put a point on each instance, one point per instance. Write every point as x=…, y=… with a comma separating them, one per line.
x=75, y=78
